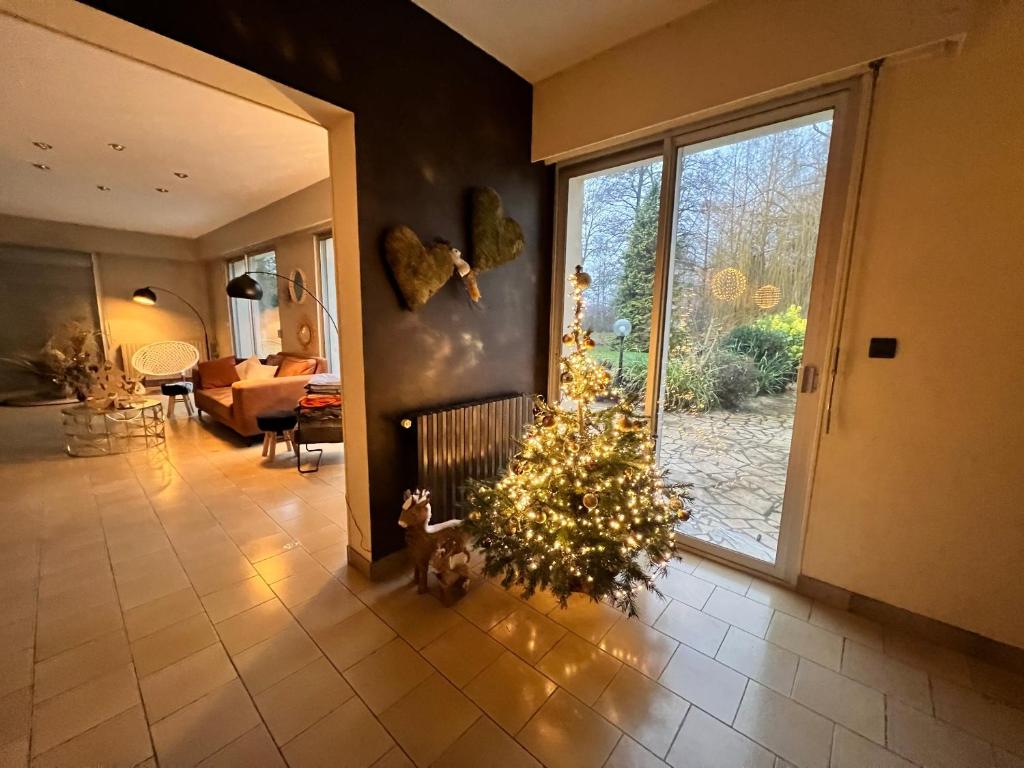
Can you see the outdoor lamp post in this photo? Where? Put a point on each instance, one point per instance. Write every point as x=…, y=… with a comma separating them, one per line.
x=621, y=328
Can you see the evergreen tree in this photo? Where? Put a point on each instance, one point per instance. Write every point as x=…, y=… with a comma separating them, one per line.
x=635, y=299
x=582, y=506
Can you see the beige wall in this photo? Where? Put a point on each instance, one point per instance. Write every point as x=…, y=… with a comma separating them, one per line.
x=289, y=226
x=917, y=500
x=720, y=56
x=126, y=261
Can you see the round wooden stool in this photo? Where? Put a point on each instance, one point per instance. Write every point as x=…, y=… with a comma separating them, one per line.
x=275, y=426
x=178, y=390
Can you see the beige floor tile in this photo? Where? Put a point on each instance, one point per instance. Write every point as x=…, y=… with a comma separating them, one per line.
x=845, y=701
x=580, y=667
x=998, y=683
x=703, y=681
x=686, y=588
x=15, y=715
x=649, y=606
x=232, y=600
x=857, y=628
x=158, y=614
x=1005, y=760
x=704, y=742
x=253, y=626
x=200, y=729
x=852, y=751
x=15, y=670
x=567, y=734
x=89, y=594
x=780, y=598
x=937, y=660
x=349, y=737
x=970, y=711
x=331, y=606
x=17, y=635
x=275, y=658
x=759, y=660
x=172, y=644
x=14, y=754
x=121, y=740
x=79, y=665
x=388, y=674
x=73, y=712
x=304, y=585
x=299, y=700
x=419, y=619
x=426, y=739
x=811, y=642
x=490, y=690
x=739, y=611
x=639, y=646
x=792, y=731
x=218, y=573
x=685, y=561
x=63, y=634
x=329, y=535
x=723, y=576
x=924, y=740
x=527, y=633
x=588, y=619
x=486, y=604
x=286, y=564
x=485, y=743
x=541, y=601
x=355, y=638
x=268, y=546
x=395, y=758
x=645, y=710
x=151, y=586
x=692, y=627
x=185, y=681
x=629, y=754
x=462, y=652
x=891, y=676
x=252, y=749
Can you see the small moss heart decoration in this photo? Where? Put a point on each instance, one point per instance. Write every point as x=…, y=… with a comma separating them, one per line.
x=497, y=239
x=419, y=270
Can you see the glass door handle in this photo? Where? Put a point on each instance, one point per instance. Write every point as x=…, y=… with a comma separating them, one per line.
x=809, y=379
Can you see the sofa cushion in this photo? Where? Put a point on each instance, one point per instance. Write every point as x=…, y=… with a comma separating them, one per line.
x=254, y=369
x=218, y=373
x=297, y=366
x=216, y=402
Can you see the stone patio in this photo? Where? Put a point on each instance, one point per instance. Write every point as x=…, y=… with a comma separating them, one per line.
x=737, y=462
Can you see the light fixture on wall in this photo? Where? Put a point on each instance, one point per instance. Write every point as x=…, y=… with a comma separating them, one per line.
x=116, y=147
x=147, y=297
x=102, y=187
x=181, y=174
x=43, y=145
x=162, y=190
x=245, y=287
x=41, y=166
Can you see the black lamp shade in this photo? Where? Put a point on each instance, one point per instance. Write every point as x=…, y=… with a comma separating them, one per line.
x=144, y=296
x=244, y=287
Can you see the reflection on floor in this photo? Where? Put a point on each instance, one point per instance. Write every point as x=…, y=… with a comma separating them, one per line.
x=195, y=607
x=737, y=462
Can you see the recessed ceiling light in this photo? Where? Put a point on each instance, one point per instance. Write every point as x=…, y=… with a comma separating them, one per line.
x=181, y=174
x=116, y=147
x=162, y=189
x=43, y=145
x=41, y=166
x=102, y=187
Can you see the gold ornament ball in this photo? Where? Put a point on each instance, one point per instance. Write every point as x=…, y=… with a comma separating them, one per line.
x=589, y=343
x=583, y=280
x=590, y=500
x=767, y=296
x=548, y=420
x=566, y=377
x=728, y=284
x=675, y=503
x=567, y=338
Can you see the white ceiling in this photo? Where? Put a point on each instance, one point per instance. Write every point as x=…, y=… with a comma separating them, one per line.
x=538, y=38
x=239, y=156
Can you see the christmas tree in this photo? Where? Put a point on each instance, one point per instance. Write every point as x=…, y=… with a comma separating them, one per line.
x=582, y=506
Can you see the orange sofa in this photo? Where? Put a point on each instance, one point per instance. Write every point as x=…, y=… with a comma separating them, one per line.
x=238, y=406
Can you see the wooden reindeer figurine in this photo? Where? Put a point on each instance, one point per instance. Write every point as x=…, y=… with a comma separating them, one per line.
x=442, y=545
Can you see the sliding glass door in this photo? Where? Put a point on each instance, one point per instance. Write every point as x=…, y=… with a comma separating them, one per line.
x=713, y=254
x=329, y=296
x=256, y=325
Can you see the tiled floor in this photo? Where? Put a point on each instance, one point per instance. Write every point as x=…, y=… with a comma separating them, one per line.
x=195, y=608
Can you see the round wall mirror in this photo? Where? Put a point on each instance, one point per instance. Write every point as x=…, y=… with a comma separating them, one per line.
x=305, y=334
x=297, y=288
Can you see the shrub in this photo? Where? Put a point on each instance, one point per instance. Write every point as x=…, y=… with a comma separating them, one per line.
x=775, y=343
x=716, y=379
x=774, y=374
x=793, y=325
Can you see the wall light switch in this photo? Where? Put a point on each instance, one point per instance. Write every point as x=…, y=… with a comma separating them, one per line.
x=879, y=347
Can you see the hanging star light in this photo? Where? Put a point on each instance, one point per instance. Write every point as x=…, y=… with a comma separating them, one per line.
x=767, y=296
x=728, y=284
x=583, y=507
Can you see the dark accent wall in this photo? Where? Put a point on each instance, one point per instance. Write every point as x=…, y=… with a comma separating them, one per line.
x=434, y=117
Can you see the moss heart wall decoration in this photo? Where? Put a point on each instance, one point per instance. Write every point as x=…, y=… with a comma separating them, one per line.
x=497, y=239
x=419, y=270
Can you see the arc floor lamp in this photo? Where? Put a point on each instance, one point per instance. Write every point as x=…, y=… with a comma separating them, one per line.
x=147, y=297
x=245, y=287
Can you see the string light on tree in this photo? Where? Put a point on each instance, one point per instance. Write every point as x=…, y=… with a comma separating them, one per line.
x=582, y=506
